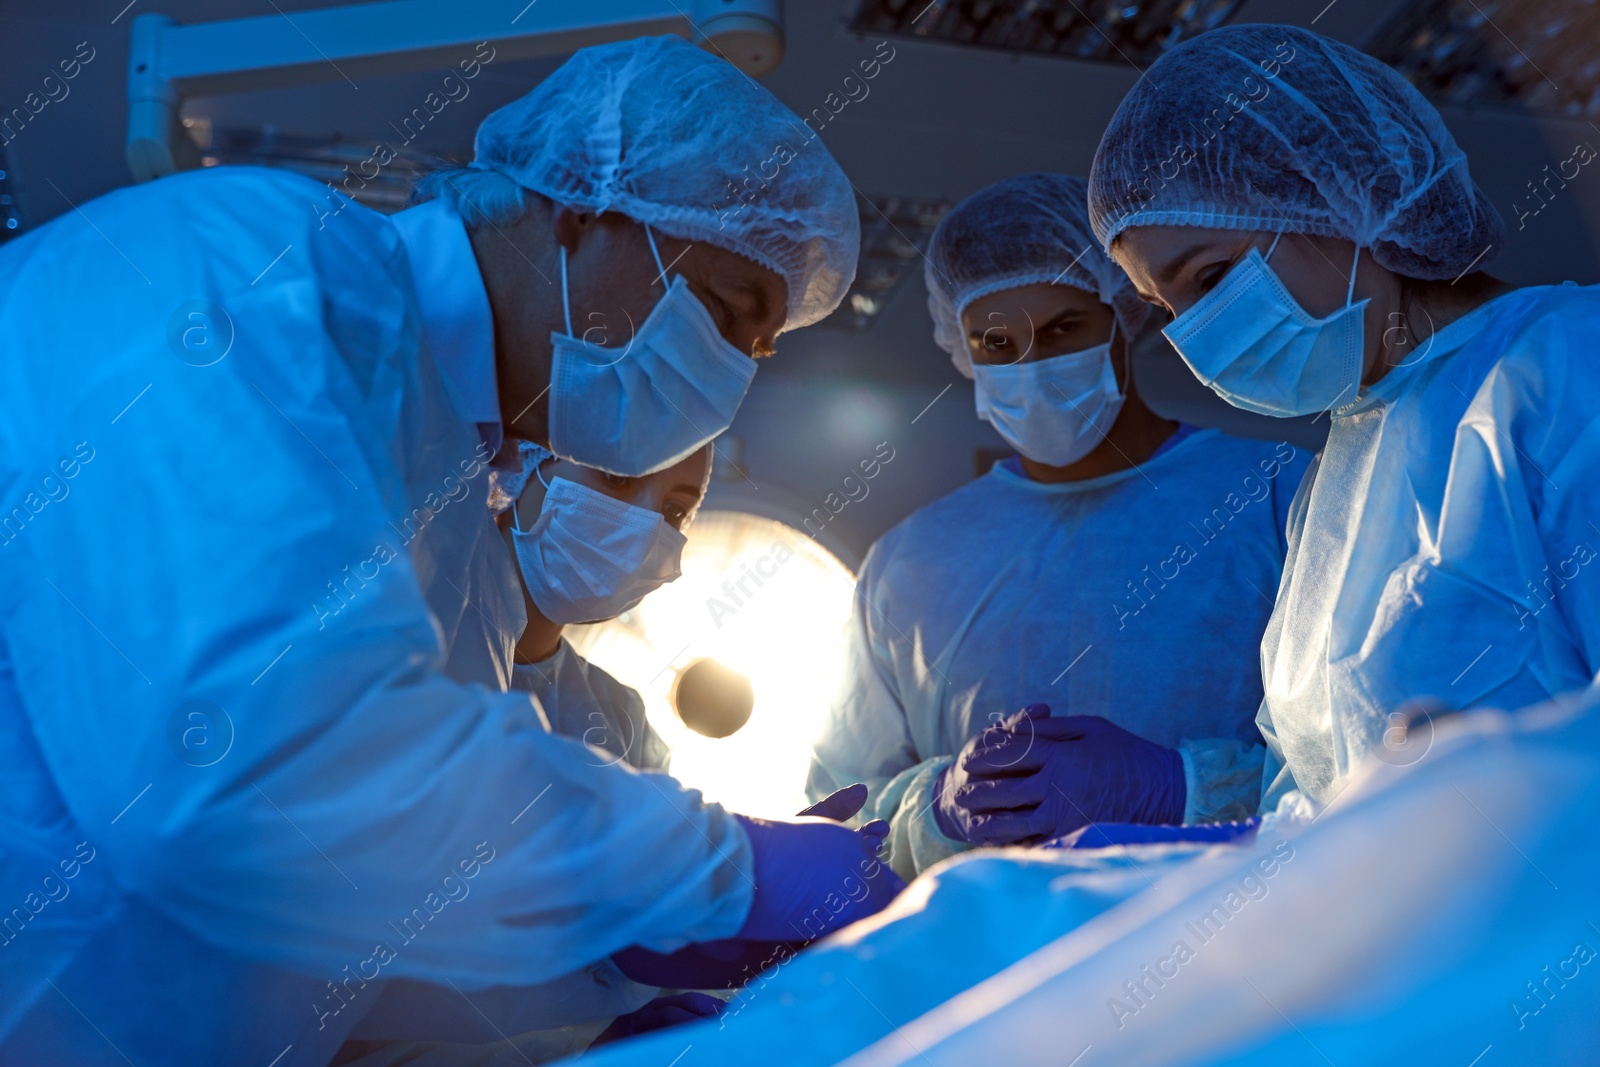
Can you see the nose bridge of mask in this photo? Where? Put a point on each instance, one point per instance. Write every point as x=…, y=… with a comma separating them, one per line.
x=1257, y=347
x=608, y=513
x=1039, y=372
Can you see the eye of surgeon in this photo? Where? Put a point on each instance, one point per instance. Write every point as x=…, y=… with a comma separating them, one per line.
x=1319, y=241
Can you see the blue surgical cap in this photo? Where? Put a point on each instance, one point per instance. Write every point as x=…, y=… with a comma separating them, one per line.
x=1279, y=129
x=672, y=136
x=1028, y=229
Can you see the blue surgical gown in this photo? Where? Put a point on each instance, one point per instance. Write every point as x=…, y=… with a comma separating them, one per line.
x=1139, y=596
x=1446, y=546
x=580, y=700
x=242, y=533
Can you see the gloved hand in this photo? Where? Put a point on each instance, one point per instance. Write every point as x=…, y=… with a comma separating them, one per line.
x=1107, y=834
x=977, y=762
x=840, y=805
x=814, y=877
x=732, y=962
x=1035, y=777
x=659, y=1014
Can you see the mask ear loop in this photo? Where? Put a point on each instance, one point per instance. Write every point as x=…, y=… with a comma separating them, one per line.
x=1355, y=262
x=648, y=236
x=566, y=307
x=1127, y=351
x=1273, y=247
x=538, y=472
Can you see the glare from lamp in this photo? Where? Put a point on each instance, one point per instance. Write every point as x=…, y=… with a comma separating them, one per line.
x=760, y=599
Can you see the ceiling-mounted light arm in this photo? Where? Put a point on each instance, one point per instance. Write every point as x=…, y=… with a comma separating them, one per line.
x=168, y=62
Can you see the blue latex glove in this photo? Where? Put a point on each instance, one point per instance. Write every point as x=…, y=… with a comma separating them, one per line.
x=814, y=877
x=732, y=962
x=973, y=764
x=840, y=805
x=1036, y=777
x=1108, y=834
x=659, y=1014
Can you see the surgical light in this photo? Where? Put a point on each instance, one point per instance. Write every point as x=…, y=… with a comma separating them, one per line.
x=757, y=599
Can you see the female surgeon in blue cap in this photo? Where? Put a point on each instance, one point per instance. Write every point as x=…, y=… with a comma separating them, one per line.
x=1119, y=568
x=1311, y=225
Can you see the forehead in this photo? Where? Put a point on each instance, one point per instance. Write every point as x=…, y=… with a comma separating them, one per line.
x=1038, y=302
x=693, y=471
x=718, y=266
x=1148, y=249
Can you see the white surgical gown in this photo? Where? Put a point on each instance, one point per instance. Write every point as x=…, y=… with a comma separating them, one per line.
x=227, y=595
x=1445, y=545
x=1139, y=596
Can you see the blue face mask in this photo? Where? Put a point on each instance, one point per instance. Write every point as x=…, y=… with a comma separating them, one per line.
x=588, y=558
x=1258, y=349
x=1056, y=410
x=641, y=408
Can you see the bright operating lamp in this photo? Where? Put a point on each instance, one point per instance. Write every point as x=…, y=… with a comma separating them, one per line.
x=738, y=659
x=711, y=699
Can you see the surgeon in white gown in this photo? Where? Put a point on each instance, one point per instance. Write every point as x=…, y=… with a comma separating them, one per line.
x=250, y=594
x=1323, y=253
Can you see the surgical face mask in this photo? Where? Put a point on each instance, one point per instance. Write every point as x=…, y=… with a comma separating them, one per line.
x=588, y=558
x=641, y=408
x=1259, y=350
x=1055, y=410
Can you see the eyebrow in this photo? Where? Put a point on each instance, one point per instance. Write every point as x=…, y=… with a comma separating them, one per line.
x=1054, y=320
x=1175, y=267
x=692, y=490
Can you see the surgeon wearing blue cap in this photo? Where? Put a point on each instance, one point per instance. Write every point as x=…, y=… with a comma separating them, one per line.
x=1312, y=227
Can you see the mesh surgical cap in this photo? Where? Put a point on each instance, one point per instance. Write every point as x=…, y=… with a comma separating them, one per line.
x=674, y=137
x=1028, y=229
x=1279, y=129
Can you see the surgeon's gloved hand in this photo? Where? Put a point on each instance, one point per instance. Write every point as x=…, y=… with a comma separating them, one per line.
x=732, y=962
x=1036, y=777
x=814, y=877
x=841, y=805
x=659, y=1014
x=977, y=761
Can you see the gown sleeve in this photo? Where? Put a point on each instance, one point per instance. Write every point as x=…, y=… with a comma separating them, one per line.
x=865, y=738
